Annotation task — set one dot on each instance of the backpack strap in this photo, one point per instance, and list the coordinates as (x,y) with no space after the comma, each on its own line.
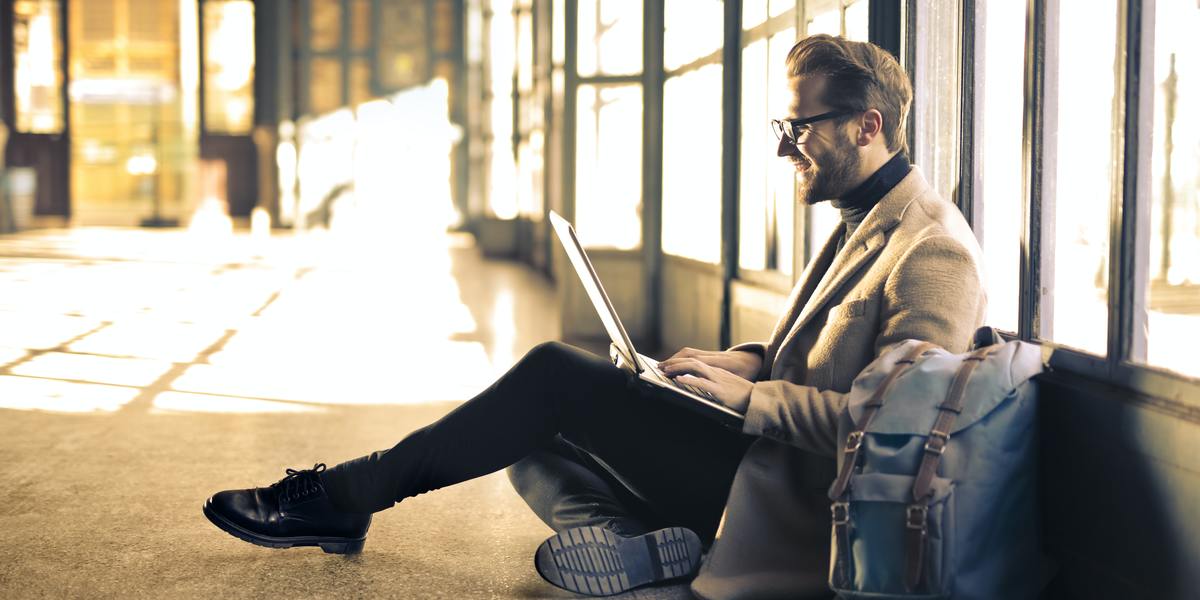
(916,523)
(840,508)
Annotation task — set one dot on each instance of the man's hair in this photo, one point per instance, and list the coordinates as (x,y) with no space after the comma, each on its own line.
(859,76)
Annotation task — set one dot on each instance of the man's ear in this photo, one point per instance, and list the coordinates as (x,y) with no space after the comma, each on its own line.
(870,127)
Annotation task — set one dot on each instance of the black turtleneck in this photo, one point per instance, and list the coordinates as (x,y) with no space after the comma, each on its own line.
(855,205)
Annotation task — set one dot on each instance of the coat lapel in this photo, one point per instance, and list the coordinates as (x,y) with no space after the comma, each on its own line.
(865,244)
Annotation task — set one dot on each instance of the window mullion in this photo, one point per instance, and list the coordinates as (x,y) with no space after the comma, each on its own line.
(1040,160)
(1129,249)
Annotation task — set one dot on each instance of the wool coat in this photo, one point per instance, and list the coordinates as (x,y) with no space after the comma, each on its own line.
(910,271)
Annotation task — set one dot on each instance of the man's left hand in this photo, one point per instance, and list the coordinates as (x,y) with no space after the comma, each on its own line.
(729,389)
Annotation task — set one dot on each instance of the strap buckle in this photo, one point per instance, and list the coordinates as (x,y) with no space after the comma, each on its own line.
(917,516)
(854,441)
(841,513)
(936,444)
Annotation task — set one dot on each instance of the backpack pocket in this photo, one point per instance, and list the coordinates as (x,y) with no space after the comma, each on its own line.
(869,558)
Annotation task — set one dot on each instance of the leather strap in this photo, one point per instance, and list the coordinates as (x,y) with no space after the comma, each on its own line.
(916,517)
(855,438)
(840,507)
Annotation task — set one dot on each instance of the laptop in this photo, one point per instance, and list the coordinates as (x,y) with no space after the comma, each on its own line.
(623,353)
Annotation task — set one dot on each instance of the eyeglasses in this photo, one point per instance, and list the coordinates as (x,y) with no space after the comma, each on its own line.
(795,130)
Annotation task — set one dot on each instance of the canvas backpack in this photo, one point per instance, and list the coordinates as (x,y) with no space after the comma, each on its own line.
(936,489)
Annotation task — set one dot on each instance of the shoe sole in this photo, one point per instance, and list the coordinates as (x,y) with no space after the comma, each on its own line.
(331,545)
(597,562)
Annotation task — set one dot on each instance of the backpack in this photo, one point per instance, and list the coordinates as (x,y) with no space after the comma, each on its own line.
(936,489)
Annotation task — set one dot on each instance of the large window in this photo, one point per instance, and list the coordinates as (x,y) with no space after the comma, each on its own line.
(1000,64)
(228,66)
(608,126)
(37,69)
(767,199)
(692,118)
(767,194)
(1173,287)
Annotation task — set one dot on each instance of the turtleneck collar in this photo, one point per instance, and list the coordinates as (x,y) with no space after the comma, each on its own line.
(855,205)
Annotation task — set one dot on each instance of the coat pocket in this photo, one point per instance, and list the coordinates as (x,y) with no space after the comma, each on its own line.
(868,562)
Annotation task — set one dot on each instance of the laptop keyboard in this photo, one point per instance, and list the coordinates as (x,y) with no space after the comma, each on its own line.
(683,386)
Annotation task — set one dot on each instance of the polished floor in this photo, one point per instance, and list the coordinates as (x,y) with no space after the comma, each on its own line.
(141,371)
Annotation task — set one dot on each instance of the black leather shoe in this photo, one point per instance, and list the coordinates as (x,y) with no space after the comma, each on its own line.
(597,562)
(294,511)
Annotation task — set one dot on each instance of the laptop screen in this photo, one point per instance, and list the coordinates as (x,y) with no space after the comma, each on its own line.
(595,291)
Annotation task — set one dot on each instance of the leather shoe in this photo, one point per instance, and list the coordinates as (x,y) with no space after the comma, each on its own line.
(597,562)
(294,511)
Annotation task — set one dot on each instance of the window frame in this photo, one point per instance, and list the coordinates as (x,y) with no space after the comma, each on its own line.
(1123,364)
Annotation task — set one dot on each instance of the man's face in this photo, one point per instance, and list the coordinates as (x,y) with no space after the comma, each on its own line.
(826,161)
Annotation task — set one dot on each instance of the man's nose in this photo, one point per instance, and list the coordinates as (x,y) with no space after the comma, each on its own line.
(786,147)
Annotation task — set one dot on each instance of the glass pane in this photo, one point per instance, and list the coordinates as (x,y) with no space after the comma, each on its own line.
(694,29)
(778,7)
(228,66)
(754,12)
(1174,287)
(857,25)
(502,197)
(823,17)
(1000,194)
(325,23)
(558,33)
(781,175)
(758,150)
(1086,95)
(692,165)
(37,50)
(610,37)
(608,166)
(360,81)
(402,48)
(324,85)
(360,24)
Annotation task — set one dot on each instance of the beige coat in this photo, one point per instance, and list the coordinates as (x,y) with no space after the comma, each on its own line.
(911,270)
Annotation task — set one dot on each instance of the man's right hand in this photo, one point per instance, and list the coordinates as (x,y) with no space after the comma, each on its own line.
(739,362)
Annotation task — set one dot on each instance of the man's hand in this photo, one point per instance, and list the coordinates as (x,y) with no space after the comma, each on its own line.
(739,362)
(729,389)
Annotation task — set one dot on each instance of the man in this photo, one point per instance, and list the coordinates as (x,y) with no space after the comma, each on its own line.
(634,486)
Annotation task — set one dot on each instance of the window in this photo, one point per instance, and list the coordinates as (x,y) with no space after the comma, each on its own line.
(767,195)
(502,195)
(37,71)
(1173,290)
(608,124)
(228,66)
(610,37)
(999,97)
(692,118)
(1078,201)
(692,165)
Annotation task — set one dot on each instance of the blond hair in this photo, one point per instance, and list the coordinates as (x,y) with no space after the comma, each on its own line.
(859,76)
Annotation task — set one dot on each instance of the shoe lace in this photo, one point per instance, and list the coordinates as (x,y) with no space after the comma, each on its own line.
(298,484)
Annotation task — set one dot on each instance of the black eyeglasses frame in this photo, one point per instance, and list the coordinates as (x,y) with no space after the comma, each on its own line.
(789,127)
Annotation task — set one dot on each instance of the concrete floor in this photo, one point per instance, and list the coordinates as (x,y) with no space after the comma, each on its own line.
(141,371)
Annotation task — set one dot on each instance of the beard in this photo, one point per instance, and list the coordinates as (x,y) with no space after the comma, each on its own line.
(828,177)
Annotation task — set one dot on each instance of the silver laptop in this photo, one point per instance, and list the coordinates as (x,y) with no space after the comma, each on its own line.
(645,367)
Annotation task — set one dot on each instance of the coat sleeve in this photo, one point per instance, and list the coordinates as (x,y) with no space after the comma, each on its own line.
(935,293)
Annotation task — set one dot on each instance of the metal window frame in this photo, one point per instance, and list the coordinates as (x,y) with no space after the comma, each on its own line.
(1130,203)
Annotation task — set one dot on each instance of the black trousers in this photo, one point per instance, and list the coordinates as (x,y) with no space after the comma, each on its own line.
(585,444)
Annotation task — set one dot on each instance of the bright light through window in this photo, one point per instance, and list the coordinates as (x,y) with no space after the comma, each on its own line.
(999,170)
(692,165)
(1174,286)
(610,37)
(608,167)
(503,171)
(1083,186)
